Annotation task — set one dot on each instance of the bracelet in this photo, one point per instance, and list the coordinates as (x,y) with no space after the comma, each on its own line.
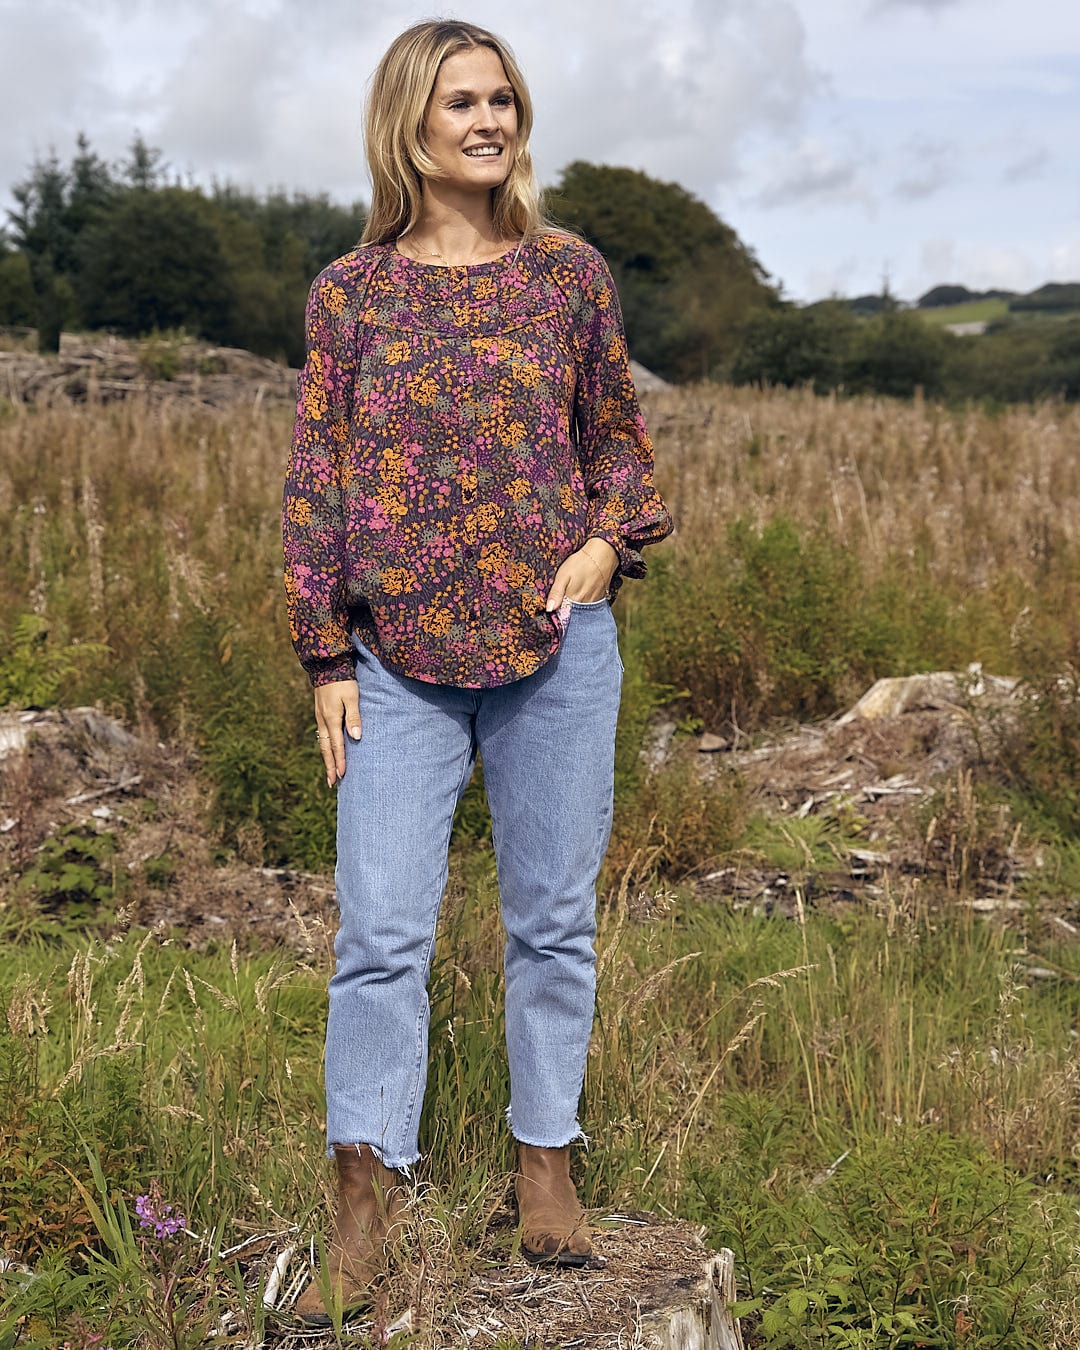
(604,579)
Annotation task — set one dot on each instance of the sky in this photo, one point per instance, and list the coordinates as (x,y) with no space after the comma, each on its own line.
(850,143)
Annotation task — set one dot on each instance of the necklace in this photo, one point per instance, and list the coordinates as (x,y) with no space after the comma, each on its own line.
(434,253)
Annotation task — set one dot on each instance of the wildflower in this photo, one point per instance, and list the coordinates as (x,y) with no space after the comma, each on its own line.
(165,1220)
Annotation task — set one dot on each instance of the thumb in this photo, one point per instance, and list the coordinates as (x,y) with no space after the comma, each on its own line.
(352,715)
(557,593)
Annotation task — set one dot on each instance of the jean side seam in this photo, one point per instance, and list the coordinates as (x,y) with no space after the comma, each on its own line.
(421,1050)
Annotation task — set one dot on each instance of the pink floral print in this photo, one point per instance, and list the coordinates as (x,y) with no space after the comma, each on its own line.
(459,431)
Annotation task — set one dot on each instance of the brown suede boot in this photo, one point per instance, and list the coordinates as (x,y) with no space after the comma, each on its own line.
(554,1229)
(370,1209)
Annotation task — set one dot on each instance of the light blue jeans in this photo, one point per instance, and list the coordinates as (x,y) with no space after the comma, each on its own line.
(548,748)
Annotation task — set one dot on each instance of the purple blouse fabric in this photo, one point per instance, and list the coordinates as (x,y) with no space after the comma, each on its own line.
(459,432)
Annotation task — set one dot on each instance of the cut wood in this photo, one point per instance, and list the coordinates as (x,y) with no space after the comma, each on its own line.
(935,689)
(704,1320)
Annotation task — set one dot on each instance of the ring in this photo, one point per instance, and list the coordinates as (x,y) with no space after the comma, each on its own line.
(322,735)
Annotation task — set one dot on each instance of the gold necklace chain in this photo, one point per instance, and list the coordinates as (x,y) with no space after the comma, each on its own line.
(434,253)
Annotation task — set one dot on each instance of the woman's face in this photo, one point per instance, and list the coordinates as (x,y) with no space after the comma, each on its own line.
(471,126)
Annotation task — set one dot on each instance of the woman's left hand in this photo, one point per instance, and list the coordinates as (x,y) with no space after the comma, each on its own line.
(585,575)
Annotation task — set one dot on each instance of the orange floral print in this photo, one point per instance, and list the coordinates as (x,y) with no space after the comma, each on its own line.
(459,432)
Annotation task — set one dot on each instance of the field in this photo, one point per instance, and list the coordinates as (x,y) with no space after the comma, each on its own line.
(837,1029)
(975,311)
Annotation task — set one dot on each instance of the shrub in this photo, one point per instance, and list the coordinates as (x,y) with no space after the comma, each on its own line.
(34,669)
(73,876)
(770,624)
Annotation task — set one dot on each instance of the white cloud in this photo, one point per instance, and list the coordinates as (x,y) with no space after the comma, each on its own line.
(1064,261)
(51,81)
(798,116)
(673,88)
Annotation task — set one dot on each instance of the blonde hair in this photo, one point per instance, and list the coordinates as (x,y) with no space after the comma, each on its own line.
(397,105)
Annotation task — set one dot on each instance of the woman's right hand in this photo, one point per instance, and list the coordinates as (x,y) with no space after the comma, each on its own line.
(337,709)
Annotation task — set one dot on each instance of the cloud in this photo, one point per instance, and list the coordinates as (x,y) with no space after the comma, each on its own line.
(932,166)
(220,97)
(675,89)
(267,92)
(813,175)
(51,81)
(981,265)
(1027,165)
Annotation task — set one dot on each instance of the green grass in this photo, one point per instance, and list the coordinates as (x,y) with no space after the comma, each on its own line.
(736,1059)
(975,311)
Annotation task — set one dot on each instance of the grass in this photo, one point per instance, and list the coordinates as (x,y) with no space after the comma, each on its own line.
(736,1060)
(875,1107)
(974,311)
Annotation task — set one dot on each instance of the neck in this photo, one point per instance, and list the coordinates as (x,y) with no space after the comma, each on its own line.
(454,225)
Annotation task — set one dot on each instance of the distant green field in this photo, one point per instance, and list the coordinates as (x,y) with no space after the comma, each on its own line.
(975,311)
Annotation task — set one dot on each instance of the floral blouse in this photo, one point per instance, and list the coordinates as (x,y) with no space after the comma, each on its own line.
(459,432)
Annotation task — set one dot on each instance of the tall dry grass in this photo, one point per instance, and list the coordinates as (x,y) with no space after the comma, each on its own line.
(820,543)
(970,494)
(127,499)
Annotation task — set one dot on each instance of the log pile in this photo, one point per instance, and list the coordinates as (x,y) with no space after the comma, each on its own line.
(98,368)
(93,368)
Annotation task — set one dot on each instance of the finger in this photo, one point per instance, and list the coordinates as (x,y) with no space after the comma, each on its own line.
(326,750)
(337,746)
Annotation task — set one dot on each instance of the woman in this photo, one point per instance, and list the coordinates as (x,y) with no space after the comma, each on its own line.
(470,480)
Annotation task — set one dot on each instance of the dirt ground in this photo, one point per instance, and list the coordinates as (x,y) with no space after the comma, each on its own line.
(78,769)
(894,782)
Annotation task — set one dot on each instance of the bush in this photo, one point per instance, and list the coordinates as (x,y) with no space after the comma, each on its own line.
(1039,754)
(771,624)
(919,1238)
(34,669)
(74,877)
(898,354)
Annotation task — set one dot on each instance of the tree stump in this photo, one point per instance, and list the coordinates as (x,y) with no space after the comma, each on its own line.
(651,1283)
(704,1321)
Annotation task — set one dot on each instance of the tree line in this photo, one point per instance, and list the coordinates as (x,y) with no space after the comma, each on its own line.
(95,246)
(125,248)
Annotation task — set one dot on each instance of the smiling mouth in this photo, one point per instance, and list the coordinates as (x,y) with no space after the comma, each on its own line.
(483,152)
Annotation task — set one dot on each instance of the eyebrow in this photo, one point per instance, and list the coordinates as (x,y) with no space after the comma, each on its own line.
(470,93)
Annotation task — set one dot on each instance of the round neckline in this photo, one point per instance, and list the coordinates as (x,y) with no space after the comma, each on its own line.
(454,267)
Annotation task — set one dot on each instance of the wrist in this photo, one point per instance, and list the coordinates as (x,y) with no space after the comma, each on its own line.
(602,553)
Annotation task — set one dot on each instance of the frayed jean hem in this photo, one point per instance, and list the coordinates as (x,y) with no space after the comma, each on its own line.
(578,1137)
(404,1166)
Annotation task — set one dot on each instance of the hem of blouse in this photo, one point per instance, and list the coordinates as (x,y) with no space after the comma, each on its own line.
(398,669)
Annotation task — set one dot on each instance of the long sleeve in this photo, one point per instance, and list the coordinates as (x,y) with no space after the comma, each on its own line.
(313,528)
(614,446)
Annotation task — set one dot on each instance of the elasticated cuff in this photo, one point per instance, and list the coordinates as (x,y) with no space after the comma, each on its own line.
(328,670)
